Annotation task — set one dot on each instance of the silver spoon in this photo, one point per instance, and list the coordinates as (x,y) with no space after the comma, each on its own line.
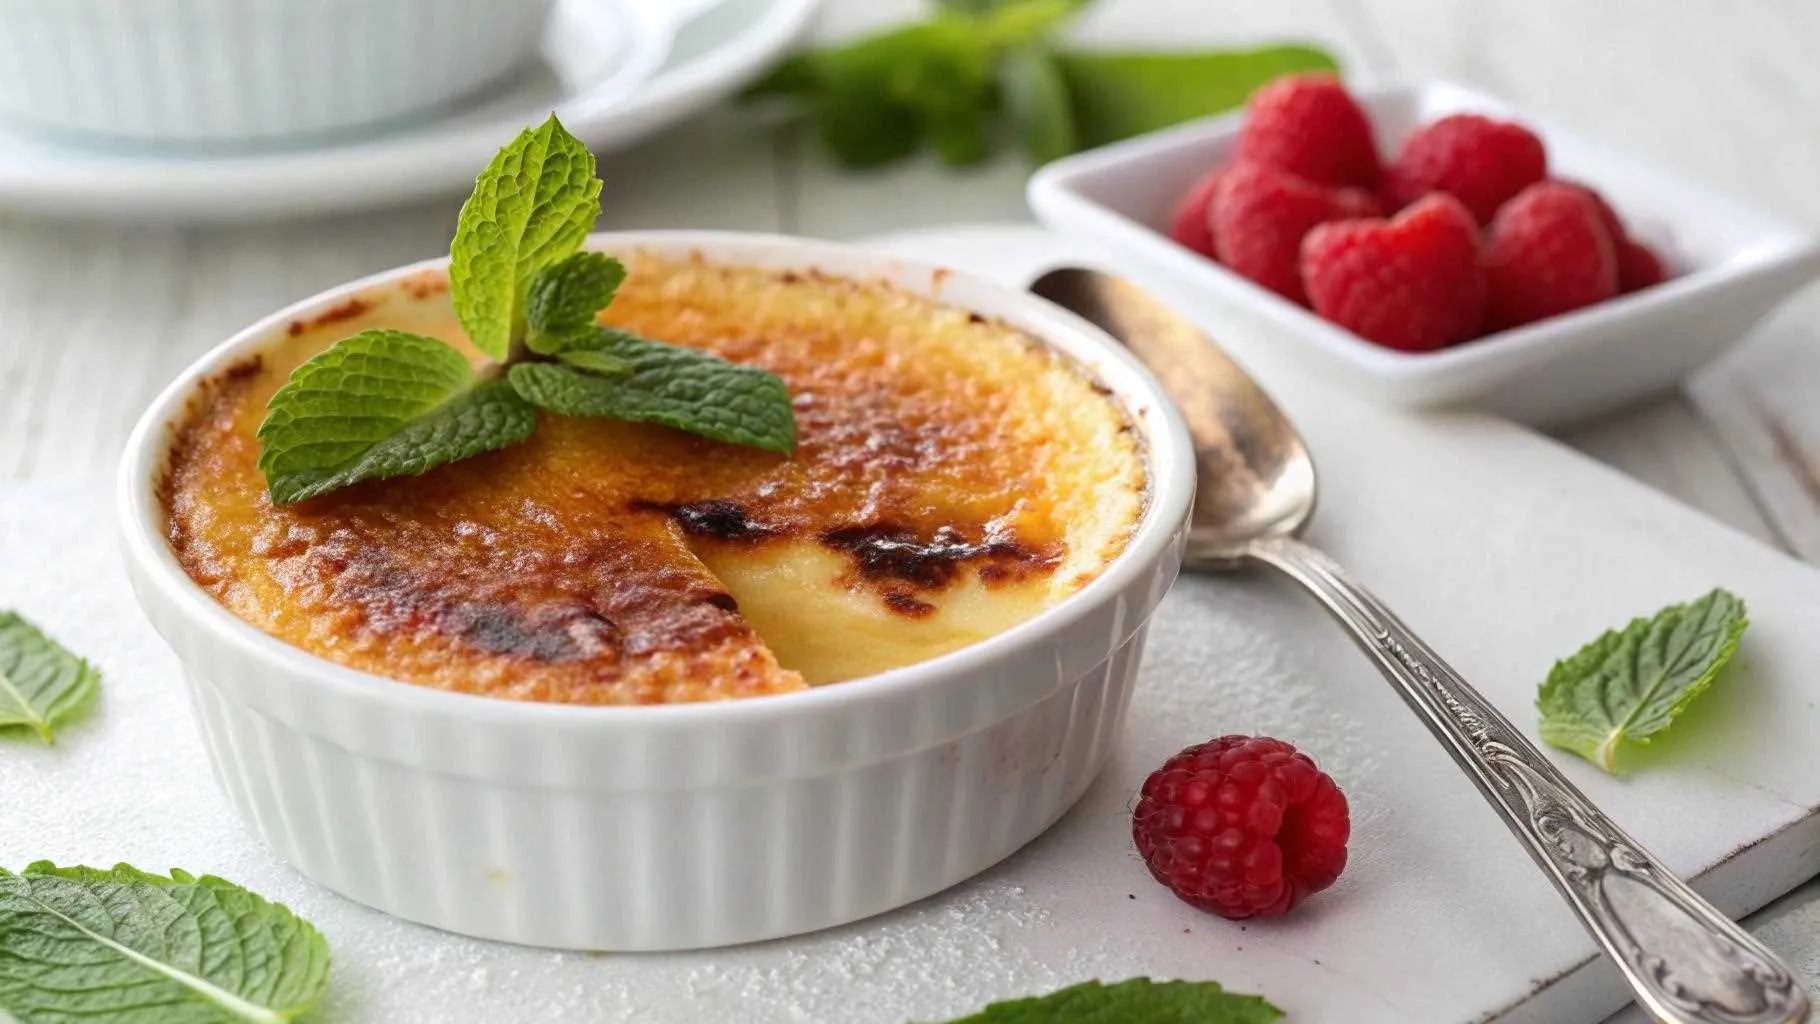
(1686,962)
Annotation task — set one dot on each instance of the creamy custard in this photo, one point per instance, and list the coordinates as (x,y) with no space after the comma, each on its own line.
(953,478)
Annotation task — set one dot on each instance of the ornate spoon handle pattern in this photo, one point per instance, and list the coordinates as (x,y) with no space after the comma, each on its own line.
(1686,962)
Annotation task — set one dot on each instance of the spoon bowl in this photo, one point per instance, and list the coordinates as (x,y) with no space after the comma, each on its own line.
(1254,476)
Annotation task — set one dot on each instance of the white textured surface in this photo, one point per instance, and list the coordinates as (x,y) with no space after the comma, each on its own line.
(1504,549)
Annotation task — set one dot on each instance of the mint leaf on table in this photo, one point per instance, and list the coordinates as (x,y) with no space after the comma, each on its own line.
(1015,22)
(1630,684)
(1118,95)
(382,404)
(1137,1001)
(950,80)
(862,126)
(128,947)
(1035,97)
(532,206)
(565,296)
(668,384)
(41,683)
(879,98)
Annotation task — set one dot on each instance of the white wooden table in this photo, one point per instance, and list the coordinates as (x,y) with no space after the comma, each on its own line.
(94,319)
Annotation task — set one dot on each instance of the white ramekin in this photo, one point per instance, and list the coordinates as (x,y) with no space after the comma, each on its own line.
(238,72)
(678,826)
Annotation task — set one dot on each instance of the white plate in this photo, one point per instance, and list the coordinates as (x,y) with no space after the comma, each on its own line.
(614,71)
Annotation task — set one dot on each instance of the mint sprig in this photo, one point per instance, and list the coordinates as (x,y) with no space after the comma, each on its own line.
(1631,684)
(1139,999)
(387,403)
(131,947)
(951,81)
(41,683)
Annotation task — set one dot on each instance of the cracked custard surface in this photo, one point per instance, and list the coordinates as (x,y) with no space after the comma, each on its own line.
(953,477)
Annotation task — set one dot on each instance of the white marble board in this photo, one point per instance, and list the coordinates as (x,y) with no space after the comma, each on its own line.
(1504,549)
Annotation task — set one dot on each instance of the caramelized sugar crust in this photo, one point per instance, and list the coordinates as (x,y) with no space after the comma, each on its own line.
(951,471)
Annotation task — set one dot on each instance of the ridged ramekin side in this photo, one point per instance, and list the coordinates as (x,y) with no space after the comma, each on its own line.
(221,72)
(591,866)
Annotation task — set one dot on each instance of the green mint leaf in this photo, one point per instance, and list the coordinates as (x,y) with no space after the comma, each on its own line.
(863,129)
(565,296)
(1118,95)
(128,947)
(382,404)
(962,136)
(532,206)
(595,361)
(878,98)
(1018,22)
(1035,98)
(1631,684)
(668,384)
(1128,1002)
(41,683)
(796,76)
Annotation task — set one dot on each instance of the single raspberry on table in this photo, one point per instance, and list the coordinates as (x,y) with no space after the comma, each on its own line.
(1412,282)
(1638,265)
(1242,826)
(1310,126)
(1548,252)
(1191,222)
(1261,214)
(1480,161)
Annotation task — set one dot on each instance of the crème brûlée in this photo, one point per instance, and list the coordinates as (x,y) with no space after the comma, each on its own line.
(953,477)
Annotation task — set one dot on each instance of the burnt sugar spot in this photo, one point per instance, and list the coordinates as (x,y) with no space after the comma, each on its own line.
(347,309)
(501,629)
(904,604)
(889,552)
(403,600)
(726,520)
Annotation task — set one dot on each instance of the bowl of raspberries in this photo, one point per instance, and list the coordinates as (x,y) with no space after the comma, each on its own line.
(1430,246)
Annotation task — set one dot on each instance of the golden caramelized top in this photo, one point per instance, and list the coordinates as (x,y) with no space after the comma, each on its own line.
(953,477)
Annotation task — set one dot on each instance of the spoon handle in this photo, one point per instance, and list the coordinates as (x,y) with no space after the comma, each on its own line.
(1686,962)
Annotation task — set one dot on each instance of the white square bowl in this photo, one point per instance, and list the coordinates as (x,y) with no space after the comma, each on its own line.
(1732,263)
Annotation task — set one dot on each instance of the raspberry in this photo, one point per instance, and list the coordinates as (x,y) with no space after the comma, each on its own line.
(1242,826)
(1607,216)
(1411,283)
(1310,126)
(1480,161)
(1191,223)
(1548,252)
(1260,215)
(1638,265)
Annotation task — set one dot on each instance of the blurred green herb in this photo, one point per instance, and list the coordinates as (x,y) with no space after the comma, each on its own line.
(977,68)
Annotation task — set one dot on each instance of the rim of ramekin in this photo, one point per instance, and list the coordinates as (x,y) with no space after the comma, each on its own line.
(1167,452)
